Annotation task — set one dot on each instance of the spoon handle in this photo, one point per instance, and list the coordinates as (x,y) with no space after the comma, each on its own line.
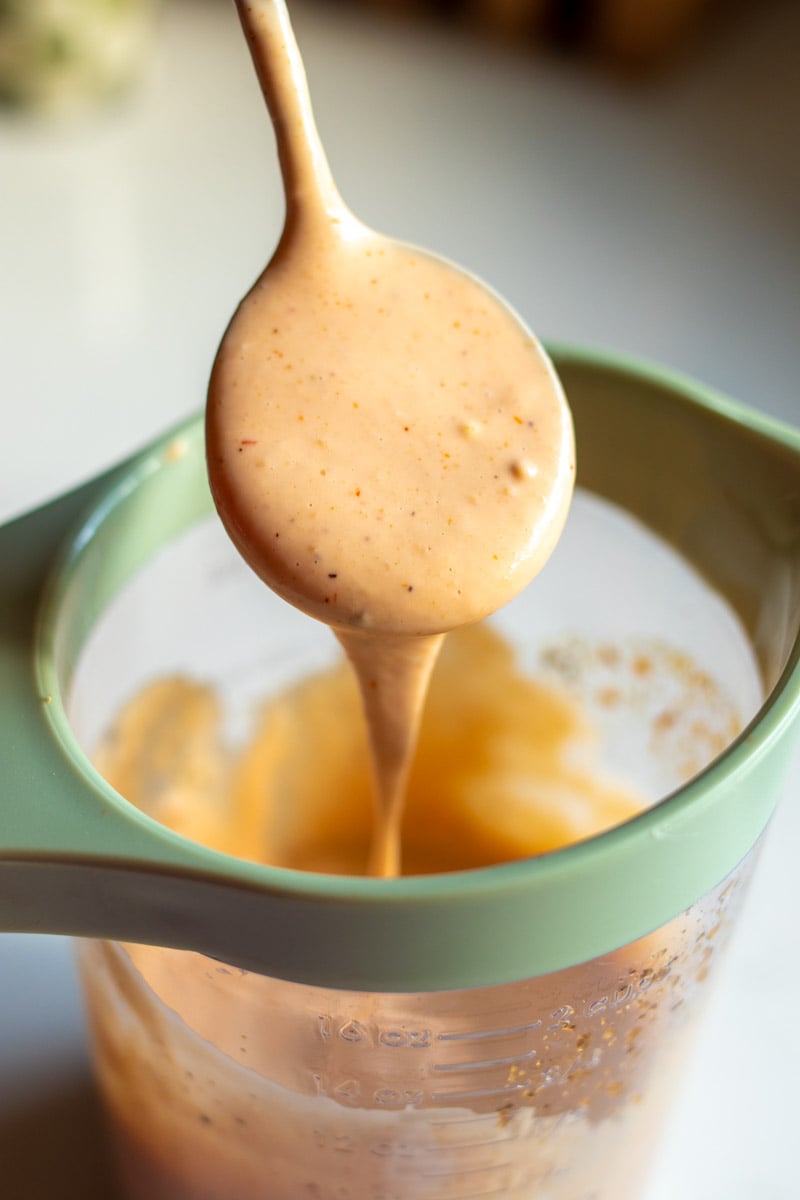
(307,178)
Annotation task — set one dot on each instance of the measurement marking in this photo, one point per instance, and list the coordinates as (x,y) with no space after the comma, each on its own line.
(467,1171)
(502,1191)
(487,1033)
(486,1118)
(503,1141)
(498,1091)
(485,1063)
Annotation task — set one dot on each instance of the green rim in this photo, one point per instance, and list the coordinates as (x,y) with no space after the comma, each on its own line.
(464,928)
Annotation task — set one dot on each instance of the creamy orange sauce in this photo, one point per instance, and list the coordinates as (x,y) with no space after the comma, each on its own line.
(506,766)
(388,446)
(236,1086)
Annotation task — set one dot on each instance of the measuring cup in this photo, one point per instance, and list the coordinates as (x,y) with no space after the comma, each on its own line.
(513,1030)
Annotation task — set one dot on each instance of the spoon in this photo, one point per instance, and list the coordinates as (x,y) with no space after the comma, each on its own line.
(388,445)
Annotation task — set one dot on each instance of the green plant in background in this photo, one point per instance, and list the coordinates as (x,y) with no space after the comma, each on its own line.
(60,55)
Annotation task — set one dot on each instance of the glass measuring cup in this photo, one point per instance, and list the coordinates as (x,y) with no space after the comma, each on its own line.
(555,941)
(223,1085)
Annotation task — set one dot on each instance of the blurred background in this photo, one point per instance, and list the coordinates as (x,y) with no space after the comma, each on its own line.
(625,172)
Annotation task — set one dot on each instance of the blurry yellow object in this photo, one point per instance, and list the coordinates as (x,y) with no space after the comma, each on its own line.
(58,55)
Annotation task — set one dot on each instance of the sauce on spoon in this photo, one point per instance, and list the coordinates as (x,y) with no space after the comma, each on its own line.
(388,445)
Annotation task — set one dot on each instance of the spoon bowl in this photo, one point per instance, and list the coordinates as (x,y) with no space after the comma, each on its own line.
(388,445)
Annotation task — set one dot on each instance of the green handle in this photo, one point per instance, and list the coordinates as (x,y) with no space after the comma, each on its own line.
(63,833)
(75,858)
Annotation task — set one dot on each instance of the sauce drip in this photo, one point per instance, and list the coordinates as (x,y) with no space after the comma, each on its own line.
(388,446)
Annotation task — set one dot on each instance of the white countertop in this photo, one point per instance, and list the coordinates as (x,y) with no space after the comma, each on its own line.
(658,219)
